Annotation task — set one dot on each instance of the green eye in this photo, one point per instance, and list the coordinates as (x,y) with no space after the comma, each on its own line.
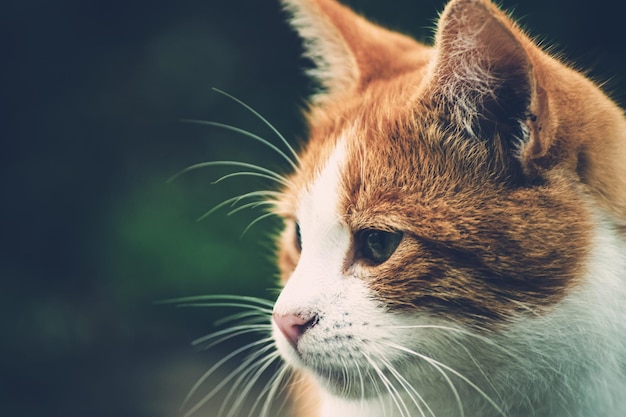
(376,246)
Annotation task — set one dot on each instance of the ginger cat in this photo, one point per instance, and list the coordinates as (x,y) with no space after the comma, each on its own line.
(455,230)
(455,238)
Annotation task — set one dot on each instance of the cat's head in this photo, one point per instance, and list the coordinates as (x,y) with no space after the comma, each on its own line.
(446,187)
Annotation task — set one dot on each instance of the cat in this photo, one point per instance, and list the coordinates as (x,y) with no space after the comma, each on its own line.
(455,229)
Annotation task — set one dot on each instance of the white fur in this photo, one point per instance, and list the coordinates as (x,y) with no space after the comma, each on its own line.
(325,241)
(584,338)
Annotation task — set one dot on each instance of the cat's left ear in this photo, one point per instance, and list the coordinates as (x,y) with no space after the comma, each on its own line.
(348,51)
(486,76)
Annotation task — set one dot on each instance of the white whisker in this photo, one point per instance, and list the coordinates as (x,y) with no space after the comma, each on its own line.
(438,367)
(278,387)
(391,389)
(250,316)
(269,391)
(255,221)
(229,334)
(234,200)
(245,372)
(242,174)
(461,331)
(379,392)
(262,366)
(257,312)
(226,380)
(245,133)
(479,367)
(215,305)
(441,366)
(275,176)
(254,204)
(345,376)
(280,136)
(409,390)
(223,297)
(361,382)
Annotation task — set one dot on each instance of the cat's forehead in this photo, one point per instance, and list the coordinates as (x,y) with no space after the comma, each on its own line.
(377,122)
(401,146)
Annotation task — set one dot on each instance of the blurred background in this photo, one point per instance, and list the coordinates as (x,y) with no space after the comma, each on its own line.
(93,93)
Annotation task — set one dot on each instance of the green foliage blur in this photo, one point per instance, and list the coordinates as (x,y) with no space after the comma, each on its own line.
(93,234)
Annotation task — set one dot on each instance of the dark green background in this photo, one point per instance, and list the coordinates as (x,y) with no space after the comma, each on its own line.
(92,94)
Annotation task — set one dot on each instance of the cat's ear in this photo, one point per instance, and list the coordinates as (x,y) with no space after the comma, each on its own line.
(484,75)
(348,51)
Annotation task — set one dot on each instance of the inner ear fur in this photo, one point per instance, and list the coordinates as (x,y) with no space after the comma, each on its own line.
(484,76)
(348,51)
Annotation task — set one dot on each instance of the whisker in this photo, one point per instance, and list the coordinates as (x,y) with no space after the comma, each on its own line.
(225,304)
(226,380)
(234,200)
(464,332)
(391,389)
(345,376)
(276,384)
(244,377)
(220,297)
(409,389)
(361,382)
(254,204)
(230,333)
(216,302)
(275,176)
(479,367)
(379,392)
(242,173)
(268,124)
(255,221)
(245,133)
(438,365)
(269,390)
(252,317)
(263,365)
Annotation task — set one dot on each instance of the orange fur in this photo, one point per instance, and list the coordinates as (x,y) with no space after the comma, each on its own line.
(413,167)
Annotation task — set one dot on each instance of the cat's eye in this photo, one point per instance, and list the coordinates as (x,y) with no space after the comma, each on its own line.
(376,246)
(298,238)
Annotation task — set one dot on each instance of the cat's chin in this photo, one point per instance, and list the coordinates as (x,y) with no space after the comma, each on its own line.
(349,381)
(348,385)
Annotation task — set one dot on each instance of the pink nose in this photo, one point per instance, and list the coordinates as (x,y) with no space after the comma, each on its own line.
(293,326)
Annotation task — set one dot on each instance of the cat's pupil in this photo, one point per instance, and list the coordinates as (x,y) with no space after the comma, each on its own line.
(376,246)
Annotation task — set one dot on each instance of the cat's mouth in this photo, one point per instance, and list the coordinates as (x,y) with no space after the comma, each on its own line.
(352,384)
(348,377)
(344,363)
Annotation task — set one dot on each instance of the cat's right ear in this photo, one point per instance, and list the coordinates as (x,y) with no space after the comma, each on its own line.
(348,52)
